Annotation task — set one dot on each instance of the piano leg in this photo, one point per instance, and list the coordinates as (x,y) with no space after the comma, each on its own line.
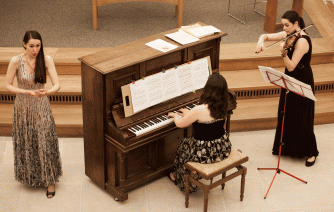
(119,192)
(119,196)
(121,168)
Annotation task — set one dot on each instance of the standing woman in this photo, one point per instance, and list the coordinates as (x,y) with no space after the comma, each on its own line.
(210,142)
(36,149)
(298,133)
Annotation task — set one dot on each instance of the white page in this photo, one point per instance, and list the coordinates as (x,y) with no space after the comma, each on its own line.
(170,84)
(161,45)
(182,37)
(309,94)
(200,70)
(293,87)
(273,74)
(204,31)
(185,79)
(139,95)
(155,89)
(263,71)
(279,83)
(301,84)
(303,88)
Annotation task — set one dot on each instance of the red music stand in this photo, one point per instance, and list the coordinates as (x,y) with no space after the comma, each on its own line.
(290,84)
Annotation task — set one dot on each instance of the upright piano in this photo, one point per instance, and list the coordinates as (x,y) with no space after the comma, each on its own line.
(116,158)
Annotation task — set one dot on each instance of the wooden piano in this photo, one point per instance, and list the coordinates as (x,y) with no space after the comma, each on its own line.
(115,158)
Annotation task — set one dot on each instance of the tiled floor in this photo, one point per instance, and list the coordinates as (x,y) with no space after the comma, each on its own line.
(77,193)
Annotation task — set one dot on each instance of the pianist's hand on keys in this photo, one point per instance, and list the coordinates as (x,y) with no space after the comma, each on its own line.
(158,122)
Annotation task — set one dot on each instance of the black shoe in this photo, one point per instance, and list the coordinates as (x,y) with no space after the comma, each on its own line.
(308,164)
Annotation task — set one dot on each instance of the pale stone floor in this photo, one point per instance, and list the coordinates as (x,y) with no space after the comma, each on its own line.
(77,193)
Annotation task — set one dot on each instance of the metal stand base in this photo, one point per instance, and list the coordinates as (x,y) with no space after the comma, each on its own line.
(278,170)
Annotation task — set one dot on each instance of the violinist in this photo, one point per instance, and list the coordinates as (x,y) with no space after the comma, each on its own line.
(298,137)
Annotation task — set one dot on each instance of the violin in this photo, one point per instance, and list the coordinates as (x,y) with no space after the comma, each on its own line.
(288,43)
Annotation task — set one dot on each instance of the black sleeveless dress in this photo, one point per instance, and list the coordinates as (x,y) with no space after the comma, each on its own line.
(209,144)
(298,133)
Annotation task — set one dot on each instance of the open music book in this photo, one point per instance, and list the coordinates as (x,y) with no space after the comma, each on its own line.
(280,79)
(165,85)
(200,31)
(189,34)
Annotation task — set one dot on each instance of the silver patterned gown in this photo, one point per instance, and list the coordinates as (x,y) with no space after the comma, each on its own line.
(36,149)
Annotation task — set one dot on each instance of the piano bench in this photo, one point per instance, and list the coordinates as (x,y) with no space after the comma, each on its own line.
(209,171)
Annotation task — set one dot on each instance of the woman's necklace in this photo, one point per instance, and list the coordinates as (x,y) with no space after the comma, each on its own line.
(29,64)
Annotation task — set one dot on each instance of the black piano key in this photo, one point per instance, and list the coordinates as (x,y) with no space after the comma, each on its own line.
(149,123)
(155,121)
(131,130)
(137,127)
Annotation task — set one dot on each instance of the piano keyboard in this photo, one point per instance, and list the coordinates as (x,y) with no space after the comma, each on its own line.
(155,123)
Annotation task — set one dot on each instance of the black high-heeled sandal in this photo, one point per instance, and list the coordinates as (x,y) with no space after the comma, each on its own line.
(48,193)
(308,164)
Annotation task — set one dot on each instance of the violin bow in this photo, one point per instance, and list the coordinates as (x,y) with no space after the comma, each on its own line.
(285,38)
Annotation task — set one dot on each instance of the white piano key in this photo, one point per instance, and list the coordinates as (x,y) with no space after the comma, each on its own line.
(155,123)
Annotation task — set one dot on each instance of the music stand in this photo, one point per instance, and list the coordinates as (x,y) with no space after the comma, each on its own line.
(290,84)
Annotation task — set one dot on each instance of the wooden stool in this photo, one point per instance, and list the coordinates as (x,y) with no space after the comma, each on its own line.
(209,171)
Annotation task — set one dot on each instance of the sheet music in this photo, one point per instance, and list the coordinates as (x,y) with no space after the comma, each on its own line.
(182,37)
(139,95)
(304,88)
(204,31)
(271,75)
(309,94)
(155,89)
(169,84)
(200,76)
(161,45)
(185,78)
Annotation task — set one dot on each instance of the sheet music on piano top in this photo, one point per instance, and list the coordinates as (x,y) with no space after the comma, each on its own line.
(182,37)
(166,85)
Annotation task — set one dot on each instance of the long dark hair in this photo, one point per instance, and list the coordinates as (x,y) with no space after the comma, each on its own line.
(293,16)
(215,95)
(40,70)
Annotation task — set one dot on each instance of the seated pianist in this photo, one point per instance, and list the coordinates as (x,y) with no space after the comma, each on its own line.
(210,142)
